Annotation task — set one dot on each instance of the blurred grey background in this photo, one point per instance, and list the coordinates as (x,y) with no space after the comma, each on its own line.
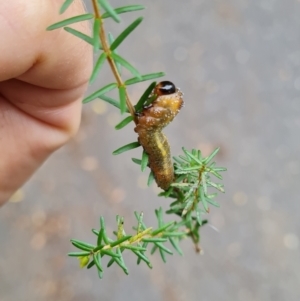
(238,64)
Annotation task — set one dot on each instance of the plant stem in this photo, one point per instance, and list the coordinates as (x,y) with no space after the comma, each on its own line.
(111,62)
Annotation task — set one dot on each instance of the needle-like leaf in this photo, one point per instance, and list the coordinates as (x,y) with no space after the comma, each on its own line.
(144,97)
(79,254)
(151,178)
(111,101)
(143,78)
(125,64)
(98,66)
(107,7)
(144,162)
(210,157)
(111,39)
(96,34)
(123,35)
(124,9)
(100,92)
(69,21)
(126,148)
(97,259)
(137,161)
(79,35)
(65,6)
(124,122)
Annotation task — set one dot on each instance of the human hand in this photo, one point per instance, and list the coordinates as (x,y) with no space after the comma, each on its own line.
(43,76)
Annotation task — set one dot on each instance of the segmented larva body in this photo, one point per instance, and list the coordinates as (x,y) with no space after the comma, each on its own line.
(151,121)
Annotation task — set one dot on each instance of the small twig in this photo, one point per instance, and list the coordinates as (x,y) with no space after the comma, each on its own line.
(111,62)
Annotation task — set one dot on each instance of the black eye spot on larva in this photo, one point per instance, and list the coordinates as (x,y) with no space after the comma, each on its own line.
(165,88)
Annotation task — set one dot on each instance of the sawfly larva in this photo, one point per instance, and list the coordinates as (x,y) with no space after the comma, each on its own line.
(151,120)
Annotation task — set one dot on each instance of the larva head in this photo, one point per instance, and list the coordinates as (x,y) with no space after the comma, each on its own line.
(169,98)
(166,105)
(164,88)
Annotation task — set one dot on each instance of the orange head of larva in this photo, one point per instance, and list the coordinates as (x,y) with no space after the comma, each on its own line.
(168,97)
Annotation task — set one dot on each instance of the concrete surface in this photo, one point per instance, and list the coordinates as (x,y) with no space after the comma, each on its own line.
(238,64)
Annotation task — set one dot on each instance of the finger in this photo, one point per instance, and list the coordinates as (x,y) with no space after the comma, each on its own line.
(35,55)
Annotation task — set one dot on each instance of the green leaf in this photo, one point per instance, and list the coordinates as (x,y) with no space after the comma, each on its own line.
(110,262)
(145,244)
(151,178)
(125,33)
(162,255)
(69,21)
(99,92)
(122,96)
(91,264)
(79,254)
(102,223)
(98,66)
(184,159)
(65,6)
(98,248)
(159,216)
(110,253)
(154,239)
(119,241)
(216,174)
(134,248)
(174,234)
(96,34)
(80,35)
(188,206)
(125,64)
(203,182)
(203,199)
(105,238)
(120,262)
(139,217)
(175,245)
(124,9)
(210,201)
(190,168)
(111,101)
(143,78)
(143,257)
(153,249)
(210,157)
(162,247)
(109,10)
(82,245)
(97,259)
(126,147)
(124,122)
(220,169)
(145,160)
(198,215)
(161,229)
(211,196)
(144,97)
(100,237)
(217,186)
(116,258)
(111,40)
(100,274)
(137,161)
(190,155)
